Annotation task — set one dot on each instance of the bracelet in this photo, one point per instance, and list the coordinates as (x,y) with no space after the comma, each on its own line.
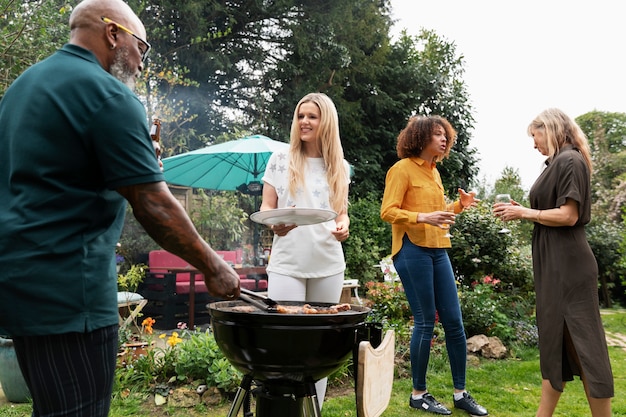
(538,218)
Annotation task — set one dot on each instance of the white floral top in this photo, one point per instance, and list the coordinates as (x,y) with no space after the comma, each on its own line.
(306,251)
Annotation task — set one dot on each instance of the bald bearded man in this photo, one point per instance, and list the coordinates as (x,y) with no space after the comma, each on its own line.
(75,147)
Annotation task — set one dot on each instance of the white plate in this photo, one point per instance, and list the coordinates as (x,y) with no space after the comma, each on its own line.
(293,215)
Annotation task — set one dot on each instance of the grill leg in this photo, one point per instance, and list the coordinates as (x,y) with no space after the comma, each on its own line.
(311,405)
(240,396)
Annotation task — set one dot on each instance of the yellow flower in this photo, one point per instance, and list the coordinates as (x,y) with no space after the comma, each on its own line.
(173,340)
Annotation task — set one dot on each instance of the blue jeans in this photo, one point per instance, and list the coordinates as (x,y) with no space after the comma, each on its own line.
(430,287)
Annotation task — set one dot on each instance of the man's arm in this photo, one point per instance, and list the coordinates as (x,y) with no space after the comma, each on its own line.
(165,220)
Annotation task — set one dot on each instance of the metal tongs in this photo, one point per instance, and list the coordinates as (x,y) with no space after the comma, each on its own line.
(251,297)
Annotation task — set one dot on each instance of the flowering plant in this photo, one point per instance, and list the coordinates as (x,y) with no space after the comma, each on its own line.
(389,306)
(483,306)
(174,338)
(389,271)
(146,325)
(487,280)
(118,256)
(134,346)
(177,358)
(127,336)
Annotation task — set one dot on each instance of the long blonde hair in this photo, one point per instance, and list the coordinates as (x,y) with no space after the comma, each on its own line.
(559,130)
(329,144)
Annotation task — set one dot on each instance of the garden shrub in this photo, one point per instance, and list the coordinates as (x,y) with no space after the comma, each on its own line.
(389,307)
(191,356)
(479,250)
(490,310)
(494,274)
(199,358)
(219,218)
(607,242)
(369,241)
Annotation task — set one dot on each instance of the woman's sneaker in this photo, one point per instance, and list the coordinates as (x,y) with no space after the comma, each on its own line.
(429,404)
(470,405)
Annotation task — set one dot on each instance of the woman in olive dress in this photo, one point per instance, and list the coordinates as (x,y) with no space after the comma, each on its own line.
(571,335)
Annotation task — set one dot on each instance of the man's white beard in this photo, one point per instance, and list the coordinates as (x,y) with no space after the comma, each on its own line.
(120,69)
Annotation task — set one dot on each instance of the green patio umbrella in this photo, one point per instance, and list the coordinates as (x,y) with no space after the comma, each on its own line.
(236,165)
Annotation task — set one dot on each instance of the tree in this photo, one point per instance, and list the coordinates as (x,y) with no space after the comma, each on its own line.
(349,64)
(227,47)
(441,91)
(510,183)
(606,133)
(253,61)
(381,87)
(606,232)
(218,219)
(218,67)
(29,32)
(157,91)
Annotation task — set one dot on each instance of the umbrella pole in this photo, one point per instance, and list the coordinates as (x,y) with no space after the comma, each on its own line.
(255,235)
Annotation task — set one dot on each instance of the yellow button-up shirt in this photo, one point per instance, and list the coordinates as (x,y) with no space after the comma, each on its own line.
(414,186)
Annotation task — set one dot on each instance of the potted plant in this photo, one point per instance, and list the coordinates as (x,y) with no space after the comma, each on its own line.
(132,278)
(11,378)
(134,345)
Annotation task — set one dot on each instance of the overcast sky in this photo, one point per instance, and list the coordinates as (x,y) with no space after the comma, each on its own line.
(522,57)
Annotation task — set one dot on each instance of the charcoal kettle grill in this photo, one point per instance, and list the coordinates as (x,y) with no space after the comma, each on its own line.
(285,354)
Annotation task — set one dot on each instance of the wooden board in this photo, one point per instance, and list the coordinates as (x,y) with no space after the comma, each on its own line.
(375,376)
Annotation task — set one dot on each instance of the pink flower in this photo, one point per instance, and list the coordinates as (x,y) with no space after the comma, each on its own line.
(490,280)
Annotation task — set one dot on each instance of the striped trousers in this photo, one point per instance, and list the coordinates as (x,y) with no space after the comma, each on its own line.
(71,374)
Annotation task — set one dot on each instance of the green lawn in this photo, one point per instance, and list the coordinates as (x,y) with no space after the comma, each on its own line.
(507,388)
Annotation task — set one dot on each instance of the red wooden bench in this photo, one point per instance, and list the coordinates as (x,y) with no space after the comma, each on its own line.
(169,294)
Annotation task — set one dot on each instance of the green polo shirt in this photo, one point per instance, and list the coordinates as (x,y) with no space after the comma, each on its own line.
(70,135)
